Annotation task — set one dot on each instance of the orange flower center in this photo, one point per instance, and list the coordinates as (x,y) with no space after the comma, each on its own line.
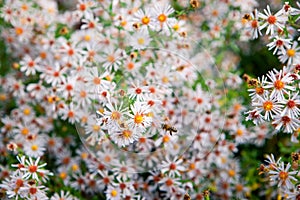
(19,30)
(239,132)
(291,104)
(239,187)
(271,19)
(32,168)
(24,131)
(142,140)
(115,115)
(130,65)
(172,166)
(259,90)
(145,20)
(254,24)
(166,139)
(283,175)
(71,114)
(97,80)
(83,94)
(162,18)
(169,182)
(231,173)
(279,84)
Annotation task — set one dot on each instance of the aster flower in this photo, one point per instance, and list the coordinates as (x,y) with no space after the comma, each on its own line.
(138,92)
(96,80)
(32,191)
(272,21)
(62,195)
(291,104)
(30,66)
(32,169)
(161,15)
(140,118)
(124,136)
(139,40)
(114,113)
(279,43)
(144,18)
(279,83)
(90,22)
(268,106)
(289,124)
(54,75)
(173,168)
(113,193)
(36,147)
(253,25)
(291,55)
(282,176)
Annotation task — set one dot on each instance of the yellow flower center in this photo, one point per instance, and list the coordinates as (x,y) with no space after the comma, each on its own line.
(141,41)
(87,37)
(126,133)
(291,52)
(63,175)
(123,23)
(268,105)
(34,147)
(138,118)
(26,111)
(84,155)
(96,127)
(3,97)
(165,79)
(176,27)
(114,193)
(75,167)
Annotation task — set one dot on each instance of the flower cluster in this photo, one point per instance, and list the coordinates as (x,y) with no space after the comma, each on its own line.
(127,74)
(276,95)
(283,176)
(27,180)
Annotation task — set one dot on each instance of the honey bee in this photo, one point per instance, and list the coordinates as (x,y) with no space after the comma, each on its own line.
(186,197)
(247,17)
(136,25)
(168,127)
